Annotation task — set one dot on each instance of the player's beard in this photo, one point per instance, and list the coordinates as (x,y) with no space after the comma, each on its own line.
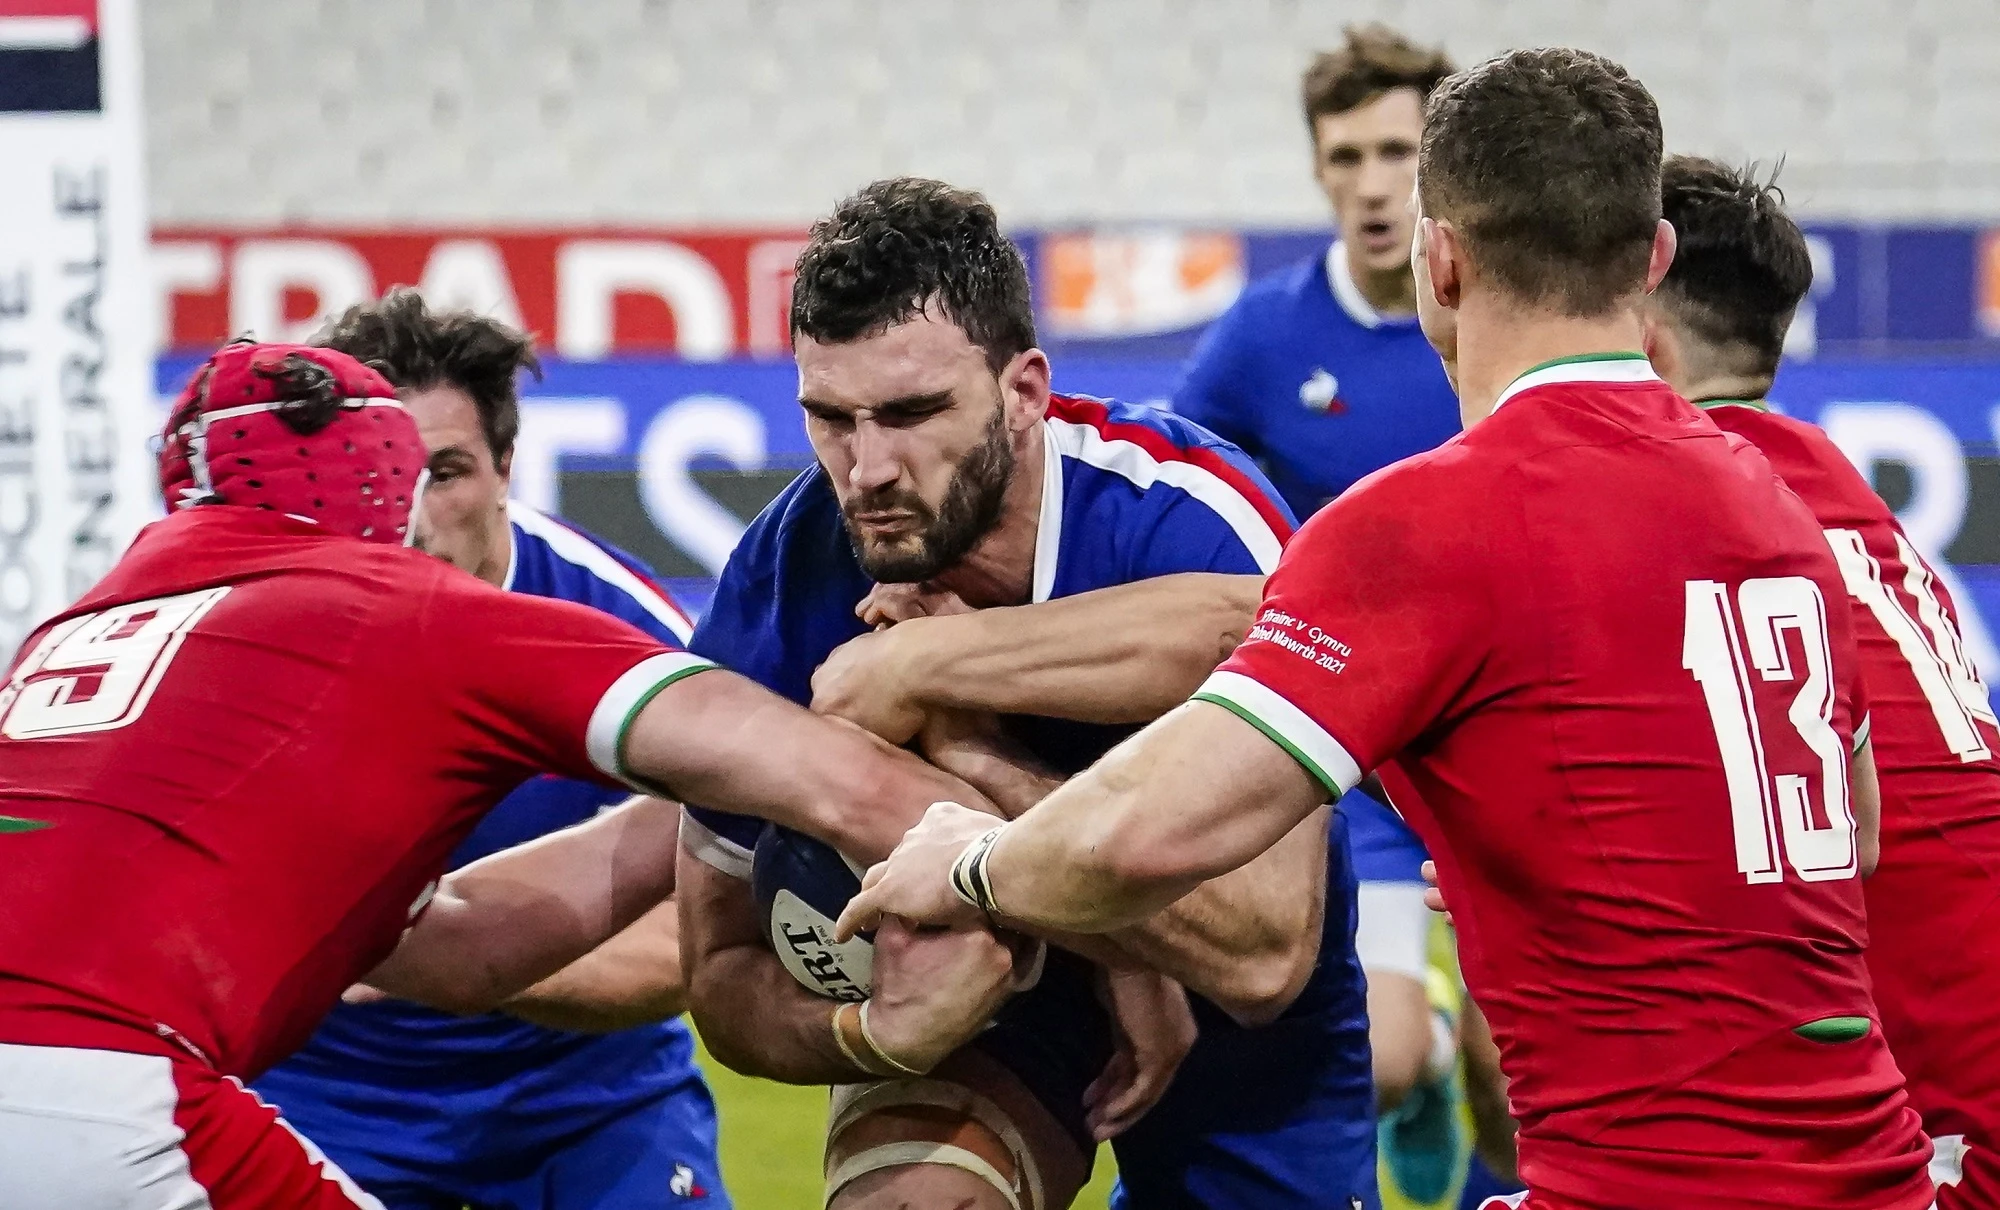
(971,507)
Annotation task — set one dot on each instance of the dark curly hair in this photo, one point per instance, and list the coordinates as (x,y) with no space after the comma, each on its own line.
(417,348)
(1742,265)
(905,244)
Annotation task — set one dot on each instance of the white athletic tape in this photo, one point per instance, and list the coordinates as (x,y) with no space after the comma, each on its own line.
(891,1155)
(852,1102)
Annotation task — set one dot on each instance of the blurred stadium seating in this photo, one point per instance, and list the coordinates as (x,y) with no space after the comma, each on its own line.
(764,111)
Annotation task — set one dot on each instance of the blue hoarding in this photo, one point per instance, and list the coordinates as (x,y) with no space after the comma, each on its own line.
(670,459)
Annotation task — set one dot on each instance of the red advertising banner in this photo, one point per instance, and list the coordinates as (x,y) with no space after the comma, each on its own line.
(587,294)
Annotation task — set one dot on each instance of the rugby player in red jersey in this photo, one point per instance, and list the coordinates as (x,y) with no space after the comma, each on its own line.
(231,775)
(1717,328)
(1592,635)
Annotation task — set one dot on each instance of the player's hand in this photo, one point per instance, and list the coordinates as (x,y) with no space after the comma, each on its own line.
(915,883)
(1433,895)
(935,989)
(1155,1029)
(868,682)
(888,604)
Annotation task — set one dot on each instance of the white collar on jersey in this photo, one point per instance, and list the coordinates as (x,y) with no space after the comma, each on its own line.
(513,550)
(1340,277)
(1587,367)
(1048,526)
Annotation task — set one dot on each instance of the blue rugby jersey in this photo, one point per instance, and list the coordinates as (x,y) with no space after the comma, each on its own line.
(1314,383)
(1274,1117)
(426,1090)
(1324,390)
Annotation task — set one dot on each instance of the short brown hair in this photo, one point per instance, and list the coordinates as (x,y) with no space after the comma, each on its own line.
(1373,60)
(1548,164)
(1741,265)
(417,348)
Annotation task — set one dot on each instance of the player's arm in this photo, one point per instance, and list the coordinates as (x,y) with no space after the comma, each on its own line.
(1192,797)
(510,920)
(1247,940)
(1376,620)
(1865,798)
(723,741)
(632,979)
(1126,654)
(932,993)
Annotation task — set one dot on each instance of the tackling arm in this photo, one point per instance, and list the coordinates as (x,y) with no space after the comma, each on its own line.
(1195,795)
(1247,940)
(507,921)
(721,740)
(631,980)
(1126,654)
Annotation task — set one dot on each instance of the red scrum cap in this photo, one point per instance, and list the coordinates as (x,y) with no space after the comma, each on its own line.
(308,432)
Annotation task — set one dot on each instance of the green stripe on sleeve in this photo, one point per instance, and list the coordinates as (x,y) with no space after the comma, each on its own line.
(1275,736)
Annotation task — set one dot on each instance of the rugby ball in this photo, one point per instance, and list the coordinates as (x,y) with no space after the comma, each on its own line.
(801,887)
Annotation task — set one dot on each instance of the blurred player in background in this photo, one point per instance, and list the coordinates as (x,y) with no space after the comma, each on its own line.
(428,1110)
(947,466)
(1654,854)
(1322,374)
(233,773)
(1717,330)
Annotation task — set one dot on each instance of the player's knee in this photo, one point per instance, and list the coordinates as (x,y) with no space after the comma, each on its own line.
(926,1143)
(919,1185)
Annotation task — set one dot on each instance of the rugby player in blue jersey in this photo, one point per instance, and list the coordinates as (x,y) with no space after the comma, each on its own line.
(1321,373)
(948,467)
(584,1094)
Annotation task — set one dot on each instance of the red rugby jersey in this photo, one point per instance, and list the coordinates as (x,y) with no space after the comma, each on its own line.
(1934,902)
(1605,647)
(230,775)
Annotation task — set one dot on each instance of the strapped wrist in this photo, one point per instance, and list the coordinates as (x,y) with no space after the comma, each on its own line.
(882,1062)
(850,1034)
(970,879)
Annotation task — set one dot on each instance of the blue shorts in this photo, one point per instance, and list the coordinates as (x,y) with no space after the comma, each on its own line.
(1056,1039)
(658,1154)
(1385,850)
(1278,1118)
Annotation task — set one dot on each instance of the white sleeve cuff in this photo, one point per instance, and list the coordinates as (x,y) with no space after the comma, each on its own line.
(605,737)
(713,848)
(1285,725)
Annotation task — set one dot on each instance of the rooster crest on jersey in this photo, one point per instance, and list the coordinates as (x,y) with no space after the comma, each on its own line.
(308,432)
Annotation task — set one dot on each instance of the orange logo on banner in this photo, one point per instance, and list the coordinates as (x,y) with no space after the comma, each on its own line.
(1989,282)
(1133,283)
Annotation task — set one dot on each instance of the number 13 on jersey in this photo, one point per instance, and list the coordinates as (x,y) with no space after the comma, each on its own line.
(1792,807)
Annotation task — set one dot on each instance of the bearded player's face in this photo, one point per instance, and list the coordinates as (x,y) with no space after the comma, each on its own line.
(914,431)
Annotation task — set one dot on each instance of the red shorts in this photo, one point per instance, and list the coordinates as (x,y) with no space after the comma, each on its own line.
(107,1130)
